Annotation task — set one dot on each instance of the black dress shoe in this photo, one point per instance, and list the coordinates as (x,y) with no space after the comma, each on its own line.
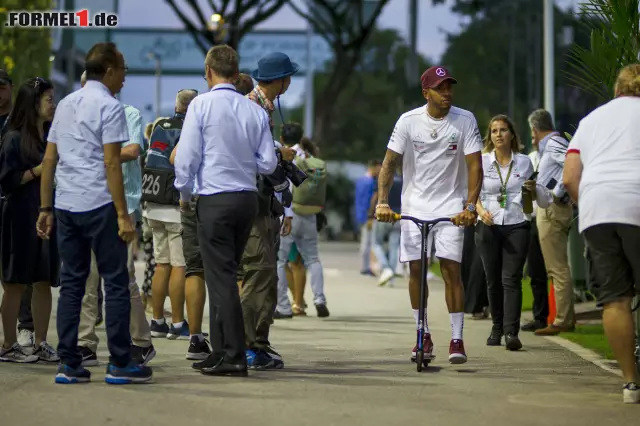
(211,361)
(495,338)
(512,342)
(533,326)
(225,368)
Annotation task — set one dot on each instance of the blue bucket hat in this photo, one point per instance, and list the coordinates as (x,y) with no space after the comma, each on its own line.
(274,66)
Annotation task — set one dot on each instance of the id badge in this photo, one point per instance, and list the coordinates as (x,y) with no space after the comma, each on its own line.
(502,199)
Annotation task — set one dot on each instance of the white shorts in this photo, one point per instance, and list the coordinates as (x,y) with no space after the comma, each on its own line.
(448,240)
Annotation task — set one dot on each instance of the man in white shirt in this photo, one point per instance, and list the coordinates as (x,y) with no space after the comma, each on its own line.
(225,142)
(83,151)
(602,174)
(554,222)
(439,146)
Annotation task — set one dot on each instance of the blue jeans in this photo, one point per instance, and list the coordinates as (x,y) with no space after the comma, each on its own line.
(305,235)
(390,231)
(78,235)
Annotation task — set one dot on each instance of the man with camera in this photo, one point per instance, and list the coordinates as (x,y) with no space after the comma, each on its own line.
(308,201)
(163,215)
(260,280)
(554,221)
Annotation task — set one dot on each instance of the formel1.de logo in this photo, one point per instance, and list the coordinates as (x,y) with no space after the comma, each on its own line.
(57,19)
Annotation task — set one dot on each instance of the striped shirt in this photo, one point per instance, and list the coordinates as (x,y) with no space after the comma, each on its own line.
(131,170)
(552,163)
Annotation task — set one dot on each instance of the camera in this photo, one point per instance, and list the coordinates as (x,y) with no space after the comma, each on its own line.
(285,171)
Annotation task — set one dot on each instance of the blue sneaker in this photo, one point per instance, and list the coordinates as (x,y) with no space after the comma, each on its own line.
(258,359)
(67,375)
(132,373)
(180,333)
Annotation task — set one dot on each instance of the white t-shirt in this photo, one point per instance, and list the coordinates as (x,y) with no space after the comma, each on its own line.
(434,170)
(607,141)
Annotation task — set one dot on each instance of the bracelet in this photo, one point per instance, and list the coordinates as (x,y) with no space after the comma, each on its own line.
(46,209)
(33,175)
(379,206)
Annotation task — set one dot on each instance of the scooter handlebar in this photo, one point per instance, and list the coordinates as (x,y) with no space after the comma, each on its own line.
(397,217)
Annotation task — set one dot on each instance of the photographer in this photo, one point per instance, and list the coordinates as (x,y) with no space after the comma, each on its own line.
(260,279)
(308,201)
(502,235)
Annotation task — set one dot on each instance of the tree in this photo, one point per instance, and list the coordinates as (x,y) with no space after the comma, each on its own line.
(503,33)
(239,19)
(346,28)
(614,26)
(365,112)
(24,53)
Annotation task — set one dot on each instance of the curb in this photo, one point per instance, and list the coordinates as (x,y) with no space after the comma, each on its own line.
(586,354)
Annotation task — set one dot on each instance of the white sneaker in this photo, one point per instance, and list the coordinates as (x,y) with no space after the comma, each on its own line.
(17,354)
(430,275)
(385,277)
(26,339)
(631,394)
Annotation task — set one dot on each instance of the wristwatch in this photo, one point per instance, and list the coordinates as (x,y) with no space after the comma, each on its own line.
(471,207)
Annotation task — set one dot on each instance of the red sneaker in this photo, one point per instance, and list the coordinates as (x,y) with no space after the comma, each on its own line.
(427,345)
(457,354)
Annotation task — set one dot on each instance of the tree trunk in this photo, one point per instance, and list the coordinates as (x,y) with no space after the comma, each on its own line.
(344,67)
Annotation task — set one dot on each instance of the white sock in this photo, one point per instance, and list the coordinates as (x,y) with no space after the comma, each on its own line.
(457,323)
(159,321)
(178,324)
(199,336)
(416,317)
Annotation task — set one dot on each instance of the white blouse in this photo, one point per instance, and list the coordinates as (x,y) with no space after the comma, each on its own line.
(521,171)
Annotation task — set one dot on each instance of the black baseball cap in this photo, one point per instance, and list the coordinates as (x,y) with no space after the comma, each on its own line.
(4,77)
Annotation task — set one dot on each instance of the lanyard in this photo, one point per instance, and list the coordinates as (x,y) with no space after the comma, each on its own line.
(504,182)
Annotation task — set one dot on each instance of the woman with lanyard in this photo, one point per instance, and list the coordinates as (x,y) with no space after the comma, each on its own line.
(502,235)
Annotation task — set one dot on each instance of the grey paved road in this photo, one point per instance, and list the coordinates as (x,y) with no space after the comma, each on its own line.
(350,369)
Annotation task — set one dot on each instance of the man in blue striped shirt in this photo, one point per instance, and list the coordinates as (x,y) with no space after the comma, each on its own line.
(225,142)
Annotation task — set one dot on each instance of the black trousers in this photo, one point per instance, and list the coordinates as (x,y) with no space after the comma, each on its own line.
(503,249)
(473,276)
(225,221)
(538,273)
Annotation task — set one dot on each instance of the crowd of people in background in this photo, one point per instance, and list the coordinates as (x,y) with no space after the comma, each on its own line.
(85,177)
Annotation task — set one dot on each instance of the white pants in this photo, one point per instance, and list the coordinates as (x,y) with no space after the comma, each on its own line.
(448,239)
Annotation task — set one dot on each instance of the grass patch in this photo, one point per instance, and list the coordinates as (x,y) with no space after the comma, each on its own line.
(591,336)
(527,294)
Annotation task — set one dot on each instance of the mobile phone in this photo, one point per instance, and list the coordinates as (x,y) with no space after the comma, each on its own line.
(533,176)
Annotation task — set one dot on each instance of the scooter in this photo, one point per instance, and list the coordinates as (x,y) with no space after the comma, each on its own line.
(425,227)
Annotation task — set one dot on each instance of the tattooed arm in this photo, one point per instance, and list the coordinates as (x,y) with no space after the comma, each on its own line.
(389,166)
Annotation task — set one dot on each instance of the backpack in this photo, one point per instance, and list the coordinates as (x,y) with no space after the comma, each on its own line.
(309,198)
(158,176)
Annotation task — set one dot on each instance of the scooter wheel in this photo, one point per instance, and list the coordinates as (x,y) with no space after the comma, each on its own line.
(419,360)
(426,363)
